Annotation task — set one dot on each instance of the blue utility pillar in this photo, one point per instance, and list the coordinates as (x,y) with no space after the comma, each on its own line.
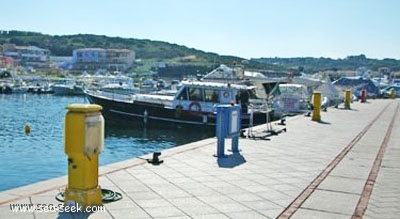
(228,126)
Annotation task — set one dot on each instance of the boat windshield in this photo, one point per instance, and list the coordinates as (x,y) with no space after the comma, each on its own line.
(195,94)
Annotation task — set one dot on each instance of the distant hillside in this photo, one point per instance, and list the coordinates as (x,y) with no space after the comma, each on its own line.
(181,58)
(144,49)
(309,64)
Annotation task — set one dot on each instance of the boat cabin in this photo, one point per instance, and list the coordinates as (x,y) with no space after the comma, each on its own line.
(201,96)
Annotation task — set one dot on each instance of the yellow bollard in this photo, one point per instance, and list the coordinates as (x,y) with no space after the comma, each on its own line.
(393,93)
(84,137)
(317,106)
(347,99)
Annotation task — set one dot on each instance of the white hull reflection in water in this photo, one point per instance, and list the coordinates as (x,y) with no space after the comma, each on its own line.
(40,155)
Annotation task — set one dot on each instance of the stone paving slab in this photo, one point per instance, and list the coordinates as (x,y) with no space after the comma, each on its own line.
(345,190)
(260,182)
(385,197)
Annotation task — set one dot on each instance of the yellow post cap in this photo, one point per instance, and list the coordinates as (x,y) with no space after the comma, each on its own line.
(84,108)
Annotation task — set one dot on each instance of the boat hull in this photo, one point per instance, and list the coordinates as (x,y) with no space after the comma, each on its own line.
(67,90)
(151,113)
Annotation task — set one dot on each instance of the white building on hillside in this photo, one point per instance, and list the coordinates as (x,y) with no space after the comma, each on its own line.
(28,56)
(98,58)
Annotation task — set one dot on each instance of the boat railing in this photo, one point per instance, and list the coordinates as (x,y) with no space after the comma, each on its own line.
(166,101)
(111,95)
(259,105)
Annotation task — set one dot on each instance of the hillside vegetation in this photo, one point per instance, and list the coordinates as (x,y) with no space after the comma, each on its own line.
(309,64)
(144,49)
(176,56)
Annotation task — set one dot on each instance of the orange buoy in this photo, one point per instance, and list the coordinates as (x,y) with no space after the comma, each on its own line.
(27,129)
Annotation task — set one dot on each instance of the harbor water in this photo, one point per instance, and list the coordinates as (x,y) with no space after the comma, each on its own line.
(27,159)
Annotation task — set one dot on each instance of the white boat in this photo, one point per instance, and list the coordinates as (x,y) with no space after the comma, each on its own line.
(19,87)
(14,84)
(291,99)
(119,85)
(67,87)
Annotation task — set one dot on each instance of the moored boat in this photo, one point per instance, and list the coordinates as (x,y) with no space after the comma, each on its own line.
(291,99)
(19,87)
(194,103)
(67,87)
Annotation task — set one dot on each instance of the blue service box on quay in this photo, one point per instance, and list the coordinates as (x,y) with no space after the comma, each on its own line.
(228,126)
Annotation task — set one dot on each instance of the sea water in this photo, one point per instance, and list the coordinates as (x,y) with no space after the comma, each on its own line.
(27,159)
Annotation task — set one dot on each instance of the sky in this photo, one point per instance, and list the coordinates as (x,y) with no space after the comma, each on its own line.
(244,28)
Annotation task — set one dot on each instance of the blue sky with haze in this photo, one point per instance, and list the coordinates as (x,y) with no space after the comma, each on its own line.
(248,29)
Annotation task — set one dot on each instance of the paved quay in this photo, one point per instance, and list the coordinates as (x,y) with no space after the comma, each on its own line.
(346,166)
